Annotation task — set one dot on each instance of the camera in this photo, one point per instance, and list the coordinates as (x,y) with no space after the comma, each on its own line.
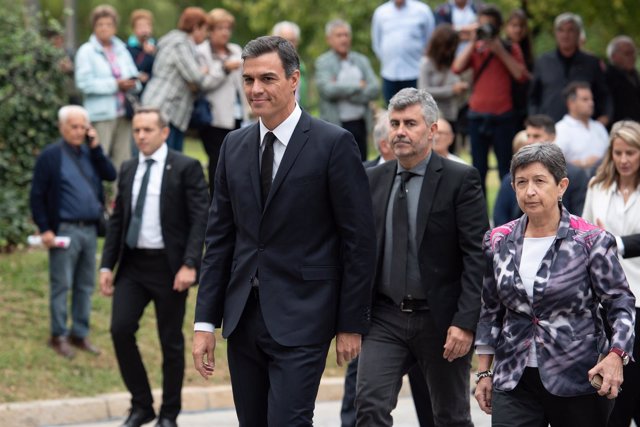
(486,32)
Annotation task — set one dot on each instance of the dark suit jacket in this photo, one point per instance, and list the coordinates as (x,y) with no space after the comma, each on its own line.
(184,201)
(371,163)
(44,197)
(625,93)
(452,219)
(313,245)
(631,244)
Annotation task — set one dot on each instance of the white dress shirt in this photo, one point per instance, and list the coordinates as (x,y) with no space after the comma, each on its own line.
(579,142)
(620,219)
(283,134)
(150,236)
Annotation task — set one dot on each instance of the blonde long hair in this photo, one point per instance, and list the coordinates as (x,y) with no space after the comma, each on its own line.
(607,174)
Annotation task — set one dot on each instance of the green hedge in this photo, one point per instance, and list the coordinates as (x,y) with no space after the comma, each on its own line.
(31,91)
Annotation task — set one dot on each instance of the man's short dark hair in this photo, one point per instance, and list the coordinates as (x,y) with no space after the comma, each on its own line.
(571,90)
(541,121)
(162,120)
(267,44)
(492,11)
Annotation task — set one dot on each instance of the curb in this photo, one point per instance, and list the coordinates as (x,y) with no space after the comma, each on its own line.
(116,405)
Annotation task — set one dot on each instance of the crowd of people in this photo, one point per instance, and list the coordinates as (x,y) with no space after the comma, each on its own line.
(307,239)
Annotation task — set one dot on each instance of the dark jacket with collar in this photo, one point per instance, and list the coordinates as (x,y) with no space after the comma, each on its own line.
(452,219)
(312,244)
(184,200)
(45,186)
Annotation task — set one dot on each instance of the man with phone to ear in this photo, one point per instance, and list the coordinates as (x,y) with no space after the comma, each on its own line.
(66,200)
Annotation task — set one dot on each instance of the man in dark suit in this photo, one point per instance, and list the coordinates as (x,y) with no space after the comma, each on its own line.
(155,237)
(288,249)
(430,217)
(419,389)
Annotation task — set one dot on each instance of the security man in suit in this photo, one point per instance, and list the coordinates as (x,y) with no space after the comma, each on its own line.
(155,237)
(430,218)
(288,250)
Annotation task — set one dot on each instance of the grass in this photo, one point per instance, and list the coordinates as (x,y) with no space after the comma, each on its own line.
(31,371)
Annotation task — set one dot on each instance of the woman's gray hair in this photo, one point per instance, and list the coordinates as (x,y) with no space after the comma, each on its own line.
(549,155)
(411,96)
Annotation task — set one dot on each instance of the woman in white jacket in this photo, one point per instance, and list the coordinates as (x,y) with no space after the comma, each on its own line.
(104,71)
(229,107)
(613,203)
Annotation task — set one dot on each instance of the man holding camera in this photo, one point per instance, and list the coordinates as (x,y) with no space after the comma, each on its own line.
(495,66)
(66,200)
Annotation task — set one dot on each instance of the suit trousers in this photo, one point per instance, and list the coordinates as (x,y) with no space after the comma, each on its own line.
(273,385)
(115,138)
(395,342)
(419,391)
(212,138)
(529,404)
(145,277)
(358,129)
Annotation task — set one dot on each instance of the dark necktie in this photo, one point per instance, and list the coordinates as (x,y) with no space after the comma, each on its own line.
(266,170)
(400,237)
(136,219)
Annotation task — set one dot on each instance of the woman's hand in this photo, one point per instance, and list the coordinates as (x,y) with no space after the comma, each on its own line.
(610,369)
(483,392)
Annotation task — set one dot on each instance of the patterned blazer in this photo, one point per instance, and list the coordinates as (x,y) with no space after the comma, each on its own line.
(176,76)
(579,271)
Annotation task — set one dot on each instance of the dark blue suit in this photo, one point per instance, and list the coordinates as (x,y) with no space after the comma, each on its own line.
(313,249)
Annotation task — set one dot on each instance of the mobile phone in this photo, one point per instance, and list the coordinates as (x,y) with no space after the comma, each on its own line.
(88,139)
(596,381)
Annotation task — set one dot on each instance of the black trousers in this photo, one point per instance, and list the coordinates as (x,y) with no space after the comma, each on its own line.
(531,405)
(212,138)
(145,277)
(358,129)
(419,391)
(273,385)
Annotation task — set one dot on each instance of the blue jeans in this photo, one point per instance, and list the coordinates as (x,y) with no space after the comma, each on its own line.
(490,130)
(175,141)
(72,269)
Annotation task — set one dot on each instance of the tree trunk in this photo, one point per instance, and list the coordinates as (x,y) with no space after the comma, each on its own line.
(70,25)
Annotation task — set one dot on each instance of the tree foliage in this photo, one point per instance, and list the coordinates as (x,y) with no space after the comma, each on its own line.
(31,90)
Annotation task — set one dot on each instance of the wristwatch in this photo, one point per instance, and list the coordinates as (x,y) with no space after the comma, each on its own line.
(623,355)
(189,262)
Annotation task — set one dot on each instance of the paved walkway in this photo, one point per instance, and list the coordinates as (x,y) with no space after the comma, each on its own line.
(327,414)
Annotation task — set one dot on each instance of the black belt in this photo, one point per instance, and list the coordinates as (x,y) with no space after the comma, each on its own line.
(81,223)
(407,305)
(147,252)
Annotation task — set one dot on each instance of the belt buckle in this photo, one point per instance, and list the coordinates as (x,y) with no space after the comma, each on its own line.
(405,309)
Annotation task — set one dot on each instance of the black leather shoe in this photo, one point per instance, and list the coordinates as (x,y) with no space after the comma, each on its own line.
(85,345)
(139,416)
(166,422)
